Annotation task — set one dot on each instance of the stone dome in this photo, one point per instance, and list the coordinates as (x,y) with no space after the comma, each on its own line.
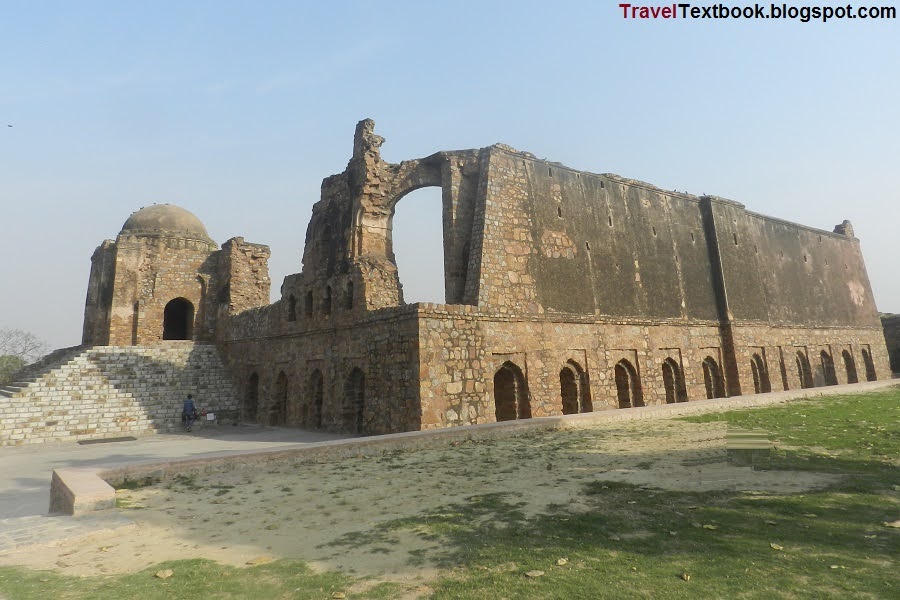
(165,220)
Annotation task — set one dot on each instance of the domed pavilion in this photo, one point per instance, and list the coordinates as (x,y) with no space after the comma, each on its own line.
(164,278)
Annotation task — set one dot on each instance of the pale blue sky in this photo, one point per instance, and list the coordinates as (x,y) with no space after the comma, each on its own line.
(237,110)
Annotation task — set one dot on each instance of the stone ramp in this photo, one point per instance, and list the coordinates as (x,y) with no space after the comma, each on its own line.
(110,391)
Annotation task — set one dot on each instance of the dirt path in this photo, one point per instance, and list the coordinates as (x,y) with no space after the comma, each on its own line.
(325,514)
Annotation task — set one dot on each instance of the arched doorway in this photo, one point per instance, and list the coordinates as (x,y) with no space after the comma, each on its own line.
(673,382)
(510,394)
(712,378)
(354,401)
(178,320)
(850,367)
(761,383)
(804,372)
(628,385)
(315,400)
(828,368)
(870,365)
(278,410)
(251,403)
(574,389)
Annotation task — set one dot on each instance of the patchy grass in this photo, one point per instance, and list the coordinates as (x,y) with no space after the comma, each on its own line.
(611,539)
(191,579)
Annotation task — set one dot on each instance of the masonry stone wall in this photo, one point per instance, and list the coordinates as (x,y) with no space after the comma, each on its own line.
(163,255)
(303,375)
(566,291)
(891,327)
(109,391)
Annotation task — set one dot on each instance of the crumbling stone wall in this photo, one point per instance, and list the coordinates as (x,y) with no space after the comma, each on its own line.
(565,291)
(134,279)
(547,269)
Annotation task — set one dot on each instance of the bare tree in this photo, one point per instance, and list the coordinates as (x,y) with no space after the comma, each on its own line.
(18,348)
(25,345)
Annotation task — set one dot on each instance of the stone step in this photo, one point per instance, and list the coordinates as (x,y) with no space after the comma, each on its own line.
(140,387)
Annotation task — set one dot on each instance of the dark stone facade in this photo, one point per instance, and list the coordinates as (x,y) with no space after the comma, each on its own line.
(566,291)
(891,324)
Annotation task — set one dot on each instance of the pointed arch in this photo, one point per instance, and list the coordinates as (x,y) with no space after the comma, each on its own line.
(574,389)
(315,400)
(761,383)
(354,401)
(869,364)
(348,296)
(308,304)
(850,367)
(828,368)
(511,393)
(278,408)
(713,379)
(292,308)
(628,385)
(673,382)
(804,372)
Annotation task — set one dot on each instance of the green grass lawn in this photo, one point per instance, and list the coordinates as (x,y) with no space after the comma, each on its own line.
(622,541)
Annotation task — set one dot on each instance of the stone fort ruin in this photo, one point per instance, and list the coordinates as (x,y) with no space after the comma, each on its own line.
(566,292)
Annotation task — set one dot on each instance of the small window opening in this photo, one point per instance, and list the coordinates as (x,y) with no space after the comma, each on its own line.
(326,301)
(692,237)
(734,237)
(308,304)
(550,171)
(587,246)
(609,218)
(601,185)
(805,259)
(292,308)
(559,211)
(654,231)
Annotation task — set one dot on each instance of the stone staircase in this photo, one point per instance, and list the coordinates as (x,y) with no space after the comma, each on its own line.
(109,391)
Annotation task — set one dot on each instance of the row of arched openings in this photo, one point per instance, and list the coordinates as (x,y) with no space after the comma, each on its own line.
(308,412)
(325,303)
(511,400)
(829,375)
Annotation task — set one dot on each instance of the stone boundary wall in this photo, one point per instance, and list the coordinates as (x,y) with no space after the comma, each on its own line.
(110,391)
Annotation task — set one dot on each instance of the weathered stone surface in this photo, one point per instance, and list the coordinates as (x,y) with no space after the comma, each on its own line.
(566,291)
(891,325)
(110,391)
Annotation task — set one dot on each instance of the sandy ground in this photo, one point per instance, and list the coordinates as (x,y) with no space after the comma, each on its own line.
(300,512)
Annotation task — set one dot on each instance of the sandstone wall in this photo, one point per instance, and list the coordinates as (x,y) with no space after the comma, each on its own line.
(276,373)
(150,272)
